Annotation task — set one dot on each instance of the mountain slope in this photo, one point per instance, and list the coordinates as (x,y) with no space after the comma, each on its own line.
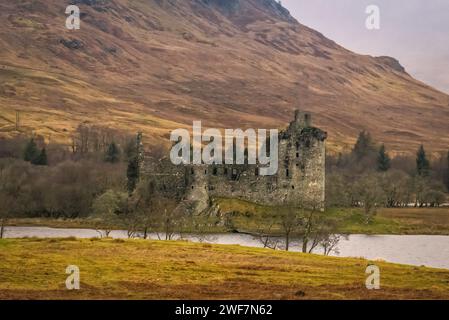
(155,65)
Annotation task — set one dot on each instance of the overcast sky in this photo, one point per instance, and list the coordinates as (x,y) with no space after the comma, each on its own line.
(416,32)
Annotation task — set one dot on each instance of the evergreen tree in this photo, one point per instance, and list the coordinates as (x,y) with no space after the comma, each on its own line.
(422,163)
(112,154)
(31,152)
(132,174)
(41,159)
(383,160)
(364,145)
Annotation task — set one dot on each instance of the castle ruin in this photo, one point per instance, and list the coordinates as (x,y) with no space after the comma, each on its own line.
(300,180)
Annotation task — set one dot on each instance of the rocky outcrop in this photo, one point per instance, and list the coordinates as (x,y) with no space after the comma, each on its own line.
(391,63)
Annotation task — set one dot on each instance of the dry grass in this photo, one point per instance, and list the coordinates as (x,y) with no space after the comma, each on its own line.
(137,269)
(434,216)
(431,221)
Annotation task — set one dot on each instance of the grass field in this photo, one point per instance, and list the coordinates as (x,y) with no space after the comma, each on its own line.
(430,221)
(138,269)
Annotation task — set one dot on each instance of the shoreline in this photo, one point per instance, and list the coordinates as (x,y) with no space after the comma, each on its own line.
(402,249)
(208,233)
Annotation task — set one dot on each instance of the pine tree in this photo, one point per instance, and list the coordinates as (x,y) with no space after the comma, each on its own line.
(422,163)
(31,152)
(132,174)
(112,154)
(383,160)
(41,159)
(364,145)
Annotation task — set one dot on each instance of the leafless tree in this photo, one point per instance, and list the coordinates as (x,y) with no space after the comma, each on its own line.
(265,230)
(329,243)
(369,195)
(12,183)
(197,225)
(156,212)
(322,232)
(290,220)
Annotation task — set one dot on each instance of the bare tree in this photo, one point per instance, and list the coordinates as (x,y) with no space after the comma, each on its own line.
(394,184)
(133,223)
(314,227)
(322,232)
(155,211)
(291,219)
(338,191)
(198,225)
(172,218)
(142,203)
(264,233)
(329,243)
(369,195)
(13,177)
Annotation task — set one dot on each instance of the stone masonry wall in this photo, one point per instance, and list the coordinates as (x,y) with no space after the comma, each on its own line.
(300,180)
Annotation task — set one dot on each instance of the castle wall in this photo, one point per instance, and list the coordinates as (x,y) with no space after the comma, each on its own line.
(300,180)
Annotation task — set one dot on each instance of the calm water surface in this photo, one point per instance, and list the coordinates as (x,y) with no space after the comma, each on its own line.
(431,251)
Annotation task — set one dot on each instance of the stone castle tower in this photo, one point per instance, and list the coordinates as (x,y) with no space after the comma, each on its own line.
(300,180)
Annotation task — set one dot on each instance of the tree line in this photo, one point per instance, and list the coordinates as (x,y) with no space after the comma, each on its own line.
(368,177)
(98,177)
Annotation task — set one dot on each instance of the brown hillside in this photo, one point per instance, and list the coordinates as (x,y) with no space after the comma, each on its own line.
(154,65)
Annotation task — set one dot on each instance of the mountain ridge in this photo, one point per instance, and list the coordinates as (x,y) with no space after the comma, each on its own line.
(156,65)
